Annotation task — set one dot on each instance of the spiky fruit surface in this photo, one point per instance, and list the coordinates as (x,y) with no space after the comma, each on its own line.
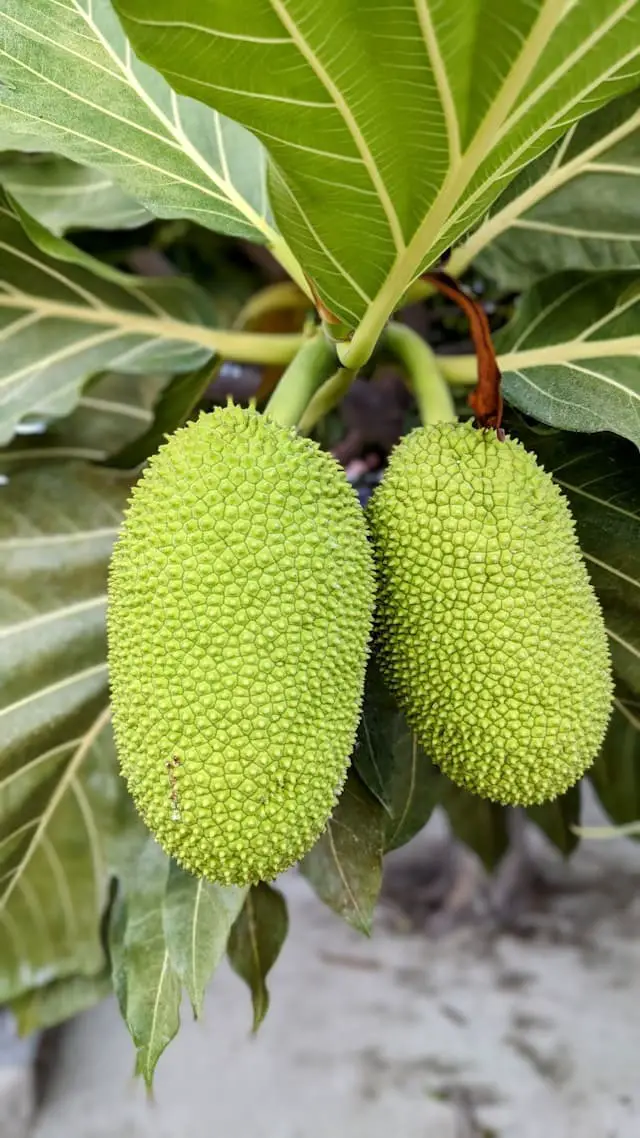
(491,635)
(240,607)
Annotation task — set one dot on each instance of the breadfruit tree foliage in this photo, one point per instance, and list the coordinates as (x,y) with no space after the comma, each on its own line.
(363,144)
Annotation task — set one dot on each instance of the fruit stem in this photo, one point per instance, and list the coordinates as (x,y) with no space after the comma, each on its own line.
(327,397)
(313,364)
(460,369)
(278,297)
(420,365)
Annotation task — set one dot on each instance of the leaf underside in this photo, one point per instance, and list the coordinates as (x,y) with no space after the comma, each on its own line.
(341,102)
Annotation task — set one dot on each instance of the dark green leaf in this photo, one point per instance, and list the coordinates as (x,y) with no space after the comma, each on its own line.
(345,865)
(145,981)
(481,825)
(46,1007)
(392,764)
(616,773)
(601,478)
(255,942)
(198,916)
(555,819)
(175,405)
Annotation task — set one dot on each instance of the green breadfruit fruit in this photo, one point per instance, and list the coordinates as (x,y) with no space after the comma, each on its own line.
(240,609)
(490,634)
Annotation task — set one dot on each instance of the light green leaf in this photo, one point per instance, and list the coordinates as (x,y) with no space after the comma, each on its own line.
(63,195)
(58,776)
(68,75)
(46,1007)
(113,410)
(345,865)
(365,192)
(575,207)
(146,984)
(60,324)
(255,942)
(198,916)
(569,357)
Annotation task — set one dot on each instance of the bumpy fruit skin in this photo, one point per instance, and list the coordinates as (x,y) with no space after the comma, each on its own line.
(240,609)
(491,636)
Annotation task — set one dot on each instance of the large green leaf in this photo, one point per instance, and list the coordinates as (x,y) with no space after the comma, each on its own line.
(63,195)
(575,207)
(68,76)
(255,943)
(345,865)
(570,355)
(392,127)
(61,323)
(58,780)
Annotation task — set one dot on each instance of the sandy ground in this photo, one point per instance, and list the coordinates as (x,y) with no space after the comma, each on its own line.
(454,1020)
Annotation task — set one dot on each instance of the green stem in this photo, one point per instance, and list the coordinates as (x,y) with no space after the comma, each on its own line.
(421,367)
(274,298)
(327,397)
(459,369)
(313,364)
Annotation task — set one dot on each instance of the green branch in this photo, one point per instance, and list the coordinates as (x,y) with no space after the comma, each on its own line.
(423,372)
(327,397)
(313,364)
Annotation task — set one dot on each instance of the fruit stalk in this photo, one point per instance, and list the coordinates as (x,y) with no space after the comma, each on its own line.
(420,365)
(314,363)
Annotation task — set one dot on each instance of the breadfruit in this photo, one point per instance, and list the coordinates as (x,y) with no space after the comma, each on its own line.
(490,634)
(240,609)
